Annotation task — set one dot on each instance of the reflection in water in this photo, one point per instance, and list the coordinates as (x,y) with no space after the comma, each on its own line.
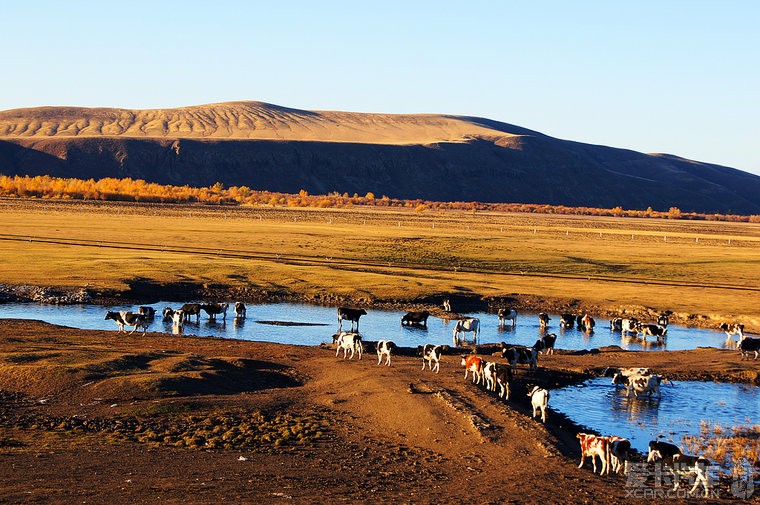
(599,405)
(633,342)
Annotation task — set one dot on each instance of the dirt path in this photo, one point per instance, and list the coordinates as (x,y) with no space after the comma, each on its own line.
(389,434)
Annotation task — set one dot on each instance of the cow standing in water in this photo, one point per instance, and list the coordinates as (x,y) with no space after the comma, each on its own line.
(353,315)
(466,325)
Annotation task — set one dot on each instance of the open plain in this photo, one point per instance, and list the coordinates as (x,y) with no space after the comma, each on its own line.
(101,417)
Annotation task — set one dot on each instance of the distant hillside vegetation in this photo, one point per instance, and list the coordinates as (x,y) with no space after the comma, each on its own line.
(427,156)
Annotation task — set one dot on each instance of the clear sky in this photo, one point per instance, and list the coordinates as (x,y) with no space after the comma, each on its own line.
(672,76)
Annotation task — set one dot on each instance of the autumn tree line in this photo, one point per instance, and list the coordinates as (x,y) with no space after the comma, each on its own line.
(138,190)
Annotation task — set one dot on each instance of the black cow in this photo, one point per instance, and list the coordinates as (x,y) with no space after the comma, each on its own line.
(192,309)
(416,318)
(748,345)
(567,320)
(545,343)
(352,315)
(662,451)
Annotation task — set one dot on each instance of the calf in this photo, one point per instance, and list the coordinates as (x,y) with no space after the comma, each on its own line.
(240,310)
(686,465)
(748,345)
(124,318)
(515,354)
(594,446)
(466,325)
(545,343)
(662,451)
(539,400)
(654,330)
(148,312)
(543,320)
(431,353)
(348,342)
(620,449)
(567,320)
(353,315)
(192,309)
(214,309)
(418,318)
(732,329)
(385,348)
(507,315)
(474,364)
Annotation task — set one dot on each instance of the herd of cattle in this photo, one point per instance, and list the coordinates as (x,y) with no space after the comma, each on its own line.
(614,452)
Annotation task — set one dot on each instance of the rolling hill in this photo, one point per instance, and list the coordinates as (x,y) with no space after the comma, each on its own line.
(429,156)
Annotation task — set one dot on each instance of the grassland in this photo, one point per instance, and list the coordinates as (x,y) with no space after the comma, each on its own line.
(371,256)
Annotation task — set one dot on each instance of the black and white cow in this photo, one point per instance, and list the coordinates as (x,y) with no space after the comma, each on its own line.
(567,320)
(639,384)
(732,329)
(507,315)
(348,314)
(415,318)
(629,325)
(620,452)
(503,378)
(384,348)
(192,309)
(431,353)
(586,323)
(125,318)
(148,312)
(654,330)
(748,345)
(348,341)
(663,319)
(688,466)
(616,324)
(515,354)
(545,343)
(168,314)
(466,325)
(543,320)
(240,310)
(662,451)
(214,309)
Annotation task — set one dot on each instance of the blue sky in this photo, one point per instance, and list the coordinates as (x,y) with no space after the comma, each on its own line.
(674,76)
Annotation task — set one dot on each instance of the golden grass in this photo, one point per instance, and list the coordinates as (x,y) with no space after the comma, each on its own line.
(710,268)
(729,447)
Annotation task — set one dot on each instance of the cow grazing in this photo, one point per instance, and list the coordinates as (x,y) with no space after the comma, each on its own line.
(539,400)
(732,329)
(543,320)
(474,364)
(586,323)
(616,324)
(431,353)
(619,456)
(663,319)
(507,315)
(192,309)
(214,309)
(516,354)
(124,318)
(748,345)
(385,348)
(654,330)
(348,342)
(545,343)
(662,451)
(466,325)
(594,446)
(415,318)
(240,310)
(148,312)
(629,325)
(687,465)
(567,320)
(639,384)
(353,315)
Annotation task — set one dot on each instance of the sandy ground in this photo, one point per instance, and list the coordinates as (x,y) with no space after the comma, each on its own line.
(387,434)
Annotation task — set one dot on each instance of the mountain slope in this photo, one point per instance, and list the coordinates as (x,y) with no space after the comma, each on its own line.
(428,156)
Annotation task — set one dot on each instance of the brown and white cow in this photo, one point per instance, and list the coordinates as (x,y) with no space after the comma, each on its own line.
(125,318)
(732,329)
(594,446)
(431,353)
(474,364)
(586,323)
(384,348)
(348,314)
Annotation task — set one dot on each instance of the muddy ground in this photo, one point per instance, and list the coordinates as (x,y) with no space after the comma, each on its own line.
(101,417)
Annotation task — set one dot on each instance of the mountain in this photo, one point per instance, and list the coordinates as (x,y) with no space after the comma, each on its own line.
(428,156)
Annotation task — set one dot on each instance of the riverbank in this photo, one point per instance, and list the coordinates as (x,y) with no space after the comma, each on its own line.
(107,417)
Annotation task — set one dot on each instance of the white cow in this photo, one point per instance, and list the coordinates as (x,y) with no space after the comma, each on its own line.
(466,325)
(348,341)
(539,400)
